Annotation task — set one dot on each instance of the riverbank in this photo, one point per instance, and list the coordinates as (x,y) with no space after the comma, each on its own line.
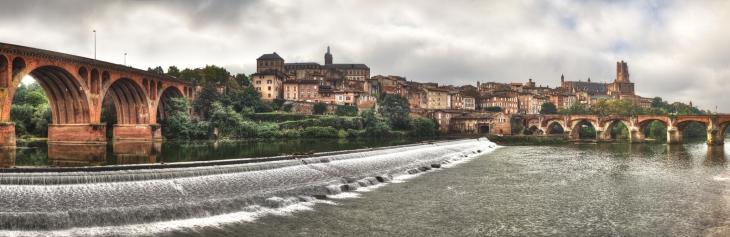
(520,140)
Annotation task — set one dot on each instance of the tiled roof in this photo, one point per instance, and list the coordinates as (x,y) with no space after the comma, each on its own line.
(269,56)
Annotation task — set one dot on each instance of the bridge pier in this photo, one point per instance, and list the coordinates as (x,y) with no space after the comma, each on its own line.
(603,136)
(715,136)
(635,135)
(674,135)
(7,136)
(77,133)
(138,132)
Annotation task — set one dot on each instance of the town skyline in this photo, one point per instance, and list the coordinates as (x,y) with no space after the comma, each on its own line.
(675,48)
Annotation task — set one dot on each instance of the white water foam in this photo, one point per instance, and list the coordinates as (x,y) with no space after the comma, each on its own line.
(398,162)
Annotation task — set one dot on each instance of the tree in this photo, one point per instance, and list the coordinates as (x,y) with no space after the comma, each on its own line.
(656,102)
(173,71)
(190,75)
(204,100)
(41,118)
(242,80)
(422,127)
(493,109)
(319,108)
(19,97)
(574,109)
(368,117)
(548,108)
(248,97)
(157,70)
(177,123)
(35,99)
(21,115)
(214,74)
(396,109)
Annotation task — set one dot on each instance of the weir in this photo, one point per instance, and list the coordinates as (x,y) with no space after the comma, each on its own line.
(50,201)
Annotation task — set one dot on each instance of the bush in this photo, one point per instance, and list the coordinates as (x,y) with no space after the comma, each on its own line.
(342,133)
(177,123)
(422,127)
(277,103)
(356,133)
(319,108)
(275,117)
(324,121)
(517,129)
(381,129)
(291,133)
(319,132)
(21,115)
(267,130)
(346,110)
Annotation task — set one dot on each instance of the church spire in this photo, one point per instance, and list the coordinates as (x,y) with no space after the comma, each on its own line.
(328,57)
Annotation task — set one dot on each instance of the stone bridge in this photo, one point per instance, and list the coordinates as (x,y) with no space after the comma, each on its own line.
(715,125)
(76,87)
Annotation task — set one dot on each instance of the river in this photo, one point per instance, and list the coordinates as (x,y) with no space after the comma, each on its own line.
(588,189)
(579,189)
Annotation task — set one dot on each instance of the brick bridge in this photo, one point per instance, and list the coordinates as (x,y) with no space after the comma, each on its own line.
(76,87)
(715,125)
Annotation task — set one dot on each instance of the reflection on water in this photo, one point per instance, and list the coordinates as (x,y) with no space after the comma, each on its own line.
(40,153)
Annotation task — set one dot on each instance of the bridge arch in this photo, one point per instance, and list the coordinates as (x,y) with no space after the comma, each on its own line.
(169,92)
(578,124)
(69,103)
(609,125)
(4,72)
(131,104)
(551,124)
(18,66)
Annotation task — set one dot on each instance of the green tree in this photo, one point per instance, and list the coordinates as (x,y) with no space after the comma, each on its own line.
(242,80)
(173,71)
(368,118)
(191,75)
(204,100)
(656,130)
(493,109)
(19,96)
(177,124)
(548,108)
(41,119)
(215,74)
(396,110)
(319,108)
(35,99)
(657,102)
(422,127)
(248,97)
(21,115)
(157,70)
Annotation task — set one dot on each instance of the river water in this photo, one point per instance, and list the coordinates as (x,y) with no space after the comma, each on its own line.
(580,189)
(615,189)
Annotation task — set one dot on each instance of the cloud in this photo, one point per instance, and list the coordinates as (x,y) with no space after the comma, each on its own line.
(675,49)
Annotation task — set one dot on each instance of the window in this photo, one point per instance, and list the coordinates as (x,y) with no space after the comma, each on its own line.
(258,88)
(315,94)
(315,86)
(268,82)
(295,88)
(261,64)
(269,95)
(269,87)
(287,89)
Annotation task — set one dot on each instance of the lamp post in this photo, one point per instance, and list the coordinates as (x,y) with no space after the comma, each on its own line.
(125,59)
(94,44)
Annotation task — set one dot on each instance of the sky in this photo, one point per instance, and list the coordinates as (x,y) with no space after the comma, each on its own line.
(677,50)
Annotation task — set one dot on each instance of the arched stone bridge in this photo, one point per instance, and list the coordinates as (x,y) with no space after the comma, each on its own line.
(715,125)
(76,87)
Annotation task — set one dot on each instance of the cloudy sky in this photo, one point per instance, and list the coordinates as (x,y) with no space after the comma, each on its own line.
(678,50)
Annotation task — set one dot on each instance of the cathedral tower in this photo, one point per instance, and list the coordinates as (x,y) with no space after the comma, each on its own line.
(622,72)
(328,57)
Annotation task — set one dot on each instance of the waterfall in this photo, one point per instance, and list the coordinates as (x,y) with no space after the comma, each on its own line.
(42,201)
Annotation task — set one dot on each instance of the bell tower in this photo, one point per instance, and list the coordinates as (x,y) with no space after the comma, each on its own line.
(622,72)
(328,57)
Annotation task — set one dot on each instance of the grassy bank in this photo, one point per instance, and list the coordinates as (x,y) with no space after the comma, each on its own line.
(525,140)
